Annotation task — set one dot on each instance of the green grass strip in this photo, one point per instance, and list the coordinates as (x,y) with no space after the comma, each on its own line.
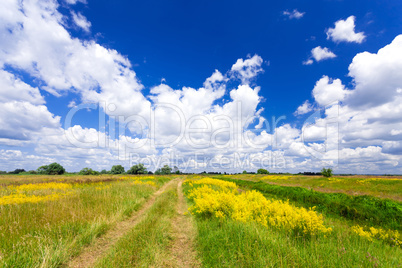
(364,209)
(147,244)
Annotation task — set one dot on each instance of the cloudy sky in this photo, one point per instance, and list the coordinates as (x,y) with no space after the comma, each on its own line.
(210,85)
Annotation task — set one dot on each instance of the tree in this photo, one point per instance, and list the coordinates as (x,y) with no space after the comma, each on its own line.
(176,170)
(326,172)
(166,170)
(103,171)
(117,169)
(88,171)
(52,169)
(262,171)
(137,169)
(244,172)
(17,171)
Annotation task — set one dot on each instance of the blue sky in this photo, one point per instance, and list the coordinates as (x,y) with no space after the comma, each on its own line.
(270,56)
(184,41)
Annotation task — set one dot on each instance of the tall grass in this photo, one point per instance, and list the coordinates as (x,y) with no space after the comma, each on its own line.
(382,187)
(235,244)
(367,210)
(47,234)
(146,245)
(223,242)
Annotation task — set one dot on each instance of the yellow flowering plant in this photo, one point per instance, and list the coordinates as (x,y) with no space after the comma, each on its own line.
(34,193)
(222,199)
(392,237)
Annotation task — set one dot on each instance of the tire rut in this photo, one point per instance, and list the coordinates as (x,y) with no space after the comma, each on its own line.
(182,252)
(91,254)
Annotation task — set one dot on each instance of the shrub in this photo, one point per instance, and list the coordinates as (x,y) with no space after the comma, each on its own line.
(262,171)
(166,170)
(326,172)
(88,171)
(361,208)
(117,169)
(137,169)
(52,169)
(163,171)
(221,199)
(17,171)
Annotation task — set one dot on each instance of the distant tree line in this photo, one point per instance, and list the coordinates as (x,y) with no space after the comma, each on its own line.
(57,169)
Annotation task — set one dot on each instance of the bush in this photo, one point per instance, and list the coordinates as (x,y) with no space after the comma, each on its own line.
(363,209)
(166,170)
(326,172)
(262,171)
(176,170)
(163,171)
(88,171)
(52,169)
(17,171)
(137,169)
(117,169)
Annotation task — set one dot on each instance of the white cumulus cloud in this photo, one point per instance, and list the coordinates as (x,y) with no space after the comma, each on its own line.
(319,53)
(306,107)
(378,76)
(344,31)
(327,91)
(247,69)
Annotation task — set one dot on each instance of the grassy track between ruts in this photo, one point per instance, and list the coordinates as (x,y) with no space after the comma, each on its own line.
(146,245)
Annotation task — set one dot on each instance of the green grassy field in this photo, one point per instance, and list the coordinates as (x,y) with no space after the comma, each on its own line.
(233,243)
(382,187)
(237,221)
(48,233)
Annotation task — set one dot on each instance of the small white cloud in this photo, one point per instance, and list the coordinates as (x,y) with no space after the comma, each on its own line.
(306,107)
(319,53)
(327,91)
(247,69)
(295,14)
(81,21)
(308,62)
(72,104)
(345,31)
(73,2)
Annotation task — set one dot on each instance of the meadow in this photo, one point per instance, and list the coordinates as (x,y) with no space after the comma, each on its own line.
(200,221)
